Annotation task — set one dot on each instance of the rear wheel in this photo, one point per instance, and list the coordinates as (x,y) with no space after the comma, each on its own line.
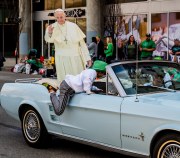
(167,147)
(33,128)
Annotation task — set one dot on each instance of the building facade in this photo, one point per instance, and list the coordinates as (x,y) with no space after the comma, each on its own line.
(117,18)
(161,18)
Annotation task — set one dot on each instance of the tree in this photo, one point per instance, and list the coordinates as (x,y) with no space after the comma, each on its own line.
(112,12)
(112,16)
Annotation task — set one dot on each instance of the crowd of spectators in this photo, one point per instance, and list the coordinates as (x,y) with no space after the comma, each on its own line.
(133,50)
(104,49)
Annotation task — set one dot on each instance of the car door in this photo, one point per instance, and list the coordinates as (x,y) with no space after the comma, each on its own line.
(94,118)
(140,118)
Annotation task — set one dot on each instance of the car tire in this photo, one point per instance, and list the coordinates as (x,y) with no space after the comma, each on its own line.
(33,129)
(168,146)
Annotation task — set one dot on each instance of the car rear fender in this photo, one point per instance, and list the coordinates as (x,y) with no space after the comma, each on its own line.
(27,103)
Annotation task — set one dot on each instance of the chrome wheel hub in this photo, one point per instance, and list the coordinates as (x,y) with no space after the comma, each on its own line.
(32,127)
(171,151)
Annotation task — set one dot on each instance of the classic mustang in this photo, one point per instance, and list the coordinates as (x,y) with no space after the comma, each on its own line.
(137,113)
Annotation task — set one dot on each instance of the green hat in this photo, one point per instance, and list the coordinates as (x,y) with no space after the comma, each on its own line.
(157,58)
(99,65)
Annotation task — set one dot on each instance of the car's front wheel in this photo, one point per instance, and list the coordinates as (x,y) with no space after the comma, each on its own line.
(33,128)
(167,147)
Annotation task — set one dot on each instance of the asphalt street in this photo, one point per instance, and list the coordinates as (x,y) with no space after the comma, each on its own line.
(13,145)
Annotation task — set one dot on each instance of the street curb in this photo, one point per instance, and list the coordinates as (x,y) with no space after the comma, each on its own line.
(7,68)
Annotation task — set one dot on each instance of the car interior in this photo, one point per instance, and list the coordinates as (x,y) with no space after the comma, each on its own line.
(148,77)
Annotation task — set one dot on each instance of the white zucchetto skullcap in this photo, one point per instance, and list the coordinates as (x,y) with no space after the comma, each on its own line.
(59,10)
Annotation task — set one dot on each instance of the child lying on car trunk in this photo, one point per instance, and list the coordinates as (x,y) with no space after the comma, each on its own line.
(76,84)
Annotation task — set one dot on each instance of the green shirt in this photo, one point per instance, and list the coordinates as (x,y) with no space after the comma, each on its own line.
(131,51)
(109,51)
(147,44)
(37,63)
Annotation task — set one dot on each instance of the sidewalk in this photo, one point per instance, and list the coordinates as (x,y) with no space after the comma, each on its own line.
(7,76)
(6,68)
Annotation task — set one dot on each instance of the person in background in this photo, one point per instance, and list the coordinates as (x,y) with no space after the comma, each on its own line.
(32,53)
(34,65)
(147,47)
(121,55)
(71,52)
(109,51)
(76,84)
(20,67)
(2,60)
(175,50)
(130,49)
(100,48)
(92,47)
(157,80)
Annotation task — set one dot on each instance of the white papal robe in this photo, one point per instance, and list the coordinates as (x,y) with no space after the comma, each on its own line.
(71,52)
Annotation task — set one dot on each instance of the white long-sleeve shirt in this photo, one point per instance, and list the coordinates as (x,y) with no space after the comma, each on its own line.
(83,81)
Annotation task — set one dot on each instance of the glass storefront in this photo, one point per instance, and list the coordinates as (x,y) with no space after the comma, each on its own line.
(53,4)
(48,48)
(9,26)
(174,27)
(8,41)
(37,42)
(122,1)
(38,6)
(44,49)
(75,3)
(165,28)
(159,32)
(81,22)
(47,5)
(124,26)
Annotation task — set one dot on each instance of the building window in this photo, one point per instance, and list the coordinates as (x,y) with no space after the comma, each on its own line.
(159,30)
(9,27)
(37,36)
(47,49)
(121,1)
(81,22)
(125,26)
(75,3)
(38,5)
(53,4)
(164,31)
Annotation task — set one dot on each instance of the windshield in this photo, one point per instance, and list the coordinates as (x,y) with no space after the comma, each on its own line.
(148,77)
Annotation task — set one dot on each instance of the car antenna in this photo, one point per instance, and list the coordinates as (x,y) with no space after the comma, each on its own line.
(136,72)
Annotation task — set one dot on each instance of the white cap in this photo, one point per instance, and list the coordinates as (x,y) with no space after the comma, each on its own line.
(59,10)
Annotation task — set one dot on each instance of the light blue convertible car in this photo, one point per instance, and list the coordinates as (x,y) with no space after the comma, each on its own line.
(137,113)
